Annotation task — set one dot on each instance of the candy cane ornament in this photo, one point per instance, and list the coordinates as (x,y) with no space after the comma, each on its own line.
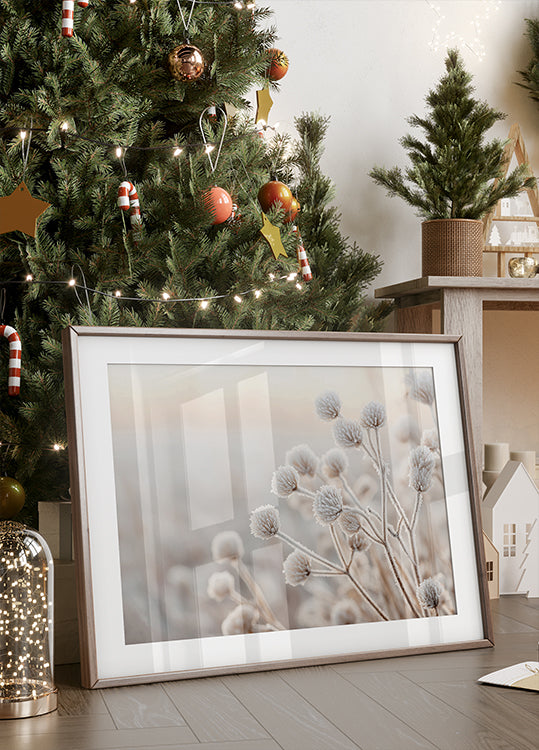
(68,7)
(15,351)
(306,273)
(128,201)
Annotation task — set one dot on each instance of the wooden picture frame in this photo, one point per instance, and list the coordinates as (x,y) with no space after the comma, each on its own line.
(248,500)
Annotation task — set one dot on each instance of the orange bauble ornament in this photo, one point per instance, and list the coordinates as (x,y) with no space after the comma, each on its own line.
(275,194)
(186,63)
(278,66)
(292,213)
(218,203)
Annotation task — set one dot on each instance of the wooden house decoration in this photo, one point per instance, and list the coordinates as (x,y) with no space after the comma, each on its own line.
(510,513)
(524,239)
(492,567)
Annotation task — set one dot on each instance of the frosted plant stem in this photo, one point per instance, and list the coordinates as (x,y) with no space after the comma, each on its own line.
(350,491)
(256,591)
(417,508)
(306,491)
(298,545)
(337,544)
(390,557)
(325,573)
(371,601)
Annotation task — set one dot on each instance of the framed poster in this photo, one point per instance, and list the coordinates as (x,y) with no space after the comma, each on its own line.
(253,500)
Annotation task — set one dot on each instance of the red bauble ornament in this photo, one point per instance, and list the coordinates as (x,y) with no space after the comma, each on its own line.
(292,213)
(278,66)
(218,203)
(275,194)
(11,497)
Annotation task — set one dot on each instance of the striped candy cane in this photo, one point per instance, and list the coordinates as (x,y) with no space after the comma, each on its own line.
(15,350)
(128,201)
(306,274)
(68,7)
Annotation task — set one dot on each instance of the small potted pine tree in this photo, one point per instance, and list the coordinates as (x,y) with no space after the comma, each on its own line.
(455,177)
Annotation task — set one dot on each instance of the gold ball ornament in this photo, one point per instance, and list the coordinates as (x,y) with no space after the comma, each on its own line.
(186,63)
(12,497)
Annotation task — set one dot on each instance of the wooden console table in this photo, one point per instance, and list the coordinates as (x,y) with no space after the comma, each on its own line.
(461,301)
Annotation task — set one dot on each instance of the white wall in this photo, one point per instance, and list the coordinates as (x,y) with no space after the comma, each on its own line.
(369,65)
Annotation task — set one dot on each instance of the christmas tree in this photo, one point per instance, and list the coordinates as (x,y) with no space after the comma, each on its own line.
(454,173)
(116,116)
(531,74)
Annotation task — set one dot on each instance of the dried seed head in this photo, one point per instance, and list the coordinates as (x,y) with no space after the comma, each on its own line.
(345,612)
(303,459)
(359,542)
(373,415)
(221,585)
(420,386)
(349,521)
(227,545)
(429,593)
(328,406)
(327,505)
(284,481)
(347,433)
(335,463)
(422,463)
(297,568)
(265,522)
(431,440)
(241,620)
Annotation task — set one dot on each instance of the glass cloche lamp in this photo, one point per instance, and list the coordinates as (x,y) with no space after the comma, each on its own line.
(26,613)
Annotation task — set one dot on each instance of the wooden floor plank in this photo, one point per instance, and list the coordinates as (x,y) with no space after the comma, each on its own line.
(53,723)
(518,610)
(504,624)
(141,706)
(486,705)
(119,739)
(267,744)
(362,719)
(290,719)
(212,711)
(446,727)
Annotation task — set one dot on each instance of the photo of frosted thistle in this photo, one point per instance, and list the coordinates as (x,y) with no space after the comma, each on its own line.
(256,499)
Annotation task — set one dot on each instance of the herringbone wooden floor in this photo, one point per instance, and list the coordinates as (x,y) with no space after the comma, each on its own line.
(420,702)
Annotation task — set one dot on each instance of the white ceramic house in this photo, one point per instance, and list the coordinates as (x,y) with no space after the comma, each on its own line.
(511,519)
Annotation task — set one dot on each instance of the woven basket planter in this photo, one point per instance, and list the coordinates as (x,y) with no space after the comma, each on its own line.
(452,247)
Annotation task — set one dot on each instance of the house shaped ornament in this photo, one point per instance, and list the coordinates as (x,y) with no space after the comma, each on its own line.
(510,513)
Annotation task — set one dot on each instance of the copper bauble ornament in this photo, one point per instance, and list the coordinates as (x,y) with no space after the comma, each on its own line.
(292,212)
(186,63)
(218,203)
(278,66)
(275,194)
(11,497)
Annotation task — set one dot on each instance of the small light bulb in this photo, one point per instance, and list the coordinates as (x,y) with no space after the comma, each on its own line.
(209,148)
(204,304)
(72,282)
(117,293)
(64,126)
(23,134)
(57,447)
(119,152)
(250,5)
(272,277)
(237,298)
(238,5)
(29,277)
(298,286)
(257,293)
(291,276)
(166,295)
(261,123)
(178,151)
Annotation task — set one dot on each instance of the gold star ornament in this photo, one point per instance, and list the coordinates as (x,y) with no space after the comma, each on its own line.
(20,211)
(264,103)
(273,235)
